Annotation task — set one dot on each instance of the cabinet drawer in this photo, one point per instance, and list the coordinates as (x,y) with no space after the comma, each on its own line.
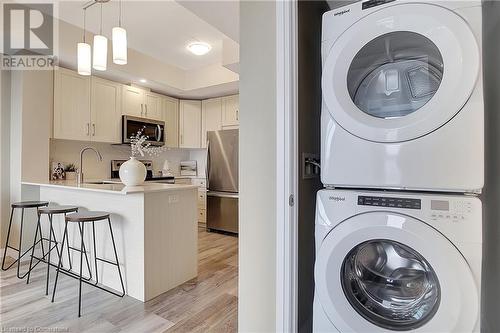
(202,215)
(183,181)
(201,182)
(202,199)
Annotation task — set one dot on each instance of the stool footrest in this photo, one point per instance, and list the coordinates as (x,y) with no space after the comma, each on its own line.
(73,274)
(107,261)
(94,284)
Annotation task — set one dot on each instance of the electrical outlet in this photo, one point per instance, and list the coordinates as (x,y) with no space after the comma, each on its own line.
(310,166)
(173,198)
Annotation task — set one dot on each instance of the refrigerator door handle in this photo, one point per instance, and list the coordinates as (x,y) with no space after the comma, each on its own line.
(222,194)
(207,165)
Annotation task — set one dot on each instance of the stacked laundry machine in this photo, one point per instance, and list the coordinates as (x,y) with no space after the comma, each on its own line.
(399,223)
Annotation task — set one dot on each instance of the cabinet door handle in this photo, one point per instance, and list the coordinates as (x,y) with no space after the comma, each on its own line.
(237,114)
(93,129)
(142,108)
(88,129)
(182,139)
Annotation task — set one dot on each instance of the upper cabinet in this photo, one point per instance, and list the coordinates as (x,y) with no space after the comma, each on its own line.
(171,117)
(211,118)
(86,108)
(71,105)
(189,124)
(105,110)
(132,101)
(231,111)
(141,103)
(153,105)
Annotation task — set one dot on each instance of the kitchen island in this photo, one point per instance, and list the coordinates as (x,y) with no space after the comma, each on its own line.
(155,230)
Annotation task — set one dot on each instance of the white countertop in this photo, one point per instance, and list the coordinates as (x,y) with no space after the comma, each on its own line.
(110,187)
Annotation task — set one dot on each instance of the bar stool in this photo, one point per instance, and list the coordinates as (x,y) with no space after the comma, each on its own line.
(21,205)
(81,218)
(50,211)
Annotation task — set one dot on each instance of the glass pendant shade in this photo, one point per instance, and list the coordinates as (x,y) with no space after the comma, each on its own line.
(84,58)
(119,46)
(100,53)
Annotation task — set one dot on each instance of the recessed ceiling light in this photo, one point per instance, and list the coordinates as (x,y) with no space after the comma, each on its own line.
(143,80)
(199,48)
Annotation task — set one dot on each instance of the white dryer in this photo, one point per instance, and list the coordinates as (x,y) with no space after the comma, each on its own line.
(402,96)
(393,262)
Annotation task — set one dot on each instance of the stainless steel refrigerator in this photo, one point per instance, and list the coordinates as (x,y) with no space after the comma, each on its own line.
(222,173)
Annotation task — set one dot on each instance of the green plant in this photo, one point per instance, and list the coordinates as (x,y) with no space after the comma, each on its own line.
(70,168)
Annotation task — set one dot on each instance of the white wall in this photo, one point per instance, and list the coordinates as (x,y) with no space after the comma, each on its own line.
(4,154)
(257,236)
(27,115)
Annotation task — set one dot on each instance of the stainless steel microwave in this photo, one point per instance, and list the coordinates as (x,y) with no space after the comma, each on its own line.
(153,129)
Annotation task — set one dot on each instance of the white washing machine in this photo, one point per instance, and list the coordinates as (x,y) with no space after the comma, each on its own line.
(402,96)
(393,262)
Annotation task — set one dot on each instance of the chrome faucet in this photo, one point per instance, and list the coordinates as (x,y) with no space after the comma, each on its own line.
(80,169)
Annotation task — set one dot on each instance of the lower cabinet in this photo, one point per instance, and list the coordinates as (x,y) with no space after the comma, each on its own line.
(202,197)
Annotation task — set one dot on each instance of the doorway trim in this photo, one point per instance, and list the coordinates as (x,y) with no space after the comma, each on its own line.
(287,166)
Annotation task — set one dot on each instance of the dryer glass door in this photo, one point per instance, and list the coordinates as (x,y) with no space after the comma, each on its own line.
(400,72)
(395,74)
(384,271)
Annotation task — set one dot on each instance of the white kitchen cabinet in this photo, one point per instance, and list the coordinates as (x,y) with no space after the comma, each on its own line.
(105,111)
(211,114)
(86,108)
(132,101)
(153,105)
(71,105)
(189,124)
(141,103)
(171,118)
(230,111)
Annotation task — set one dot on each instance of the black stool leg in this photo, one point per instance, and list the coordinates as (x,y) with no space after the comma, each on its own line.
(86,256)
(65,236)
(20,245)
(95,253)
(7,242)
(116,256)
(33,247)
(69,255)
(80,277)
(48,257)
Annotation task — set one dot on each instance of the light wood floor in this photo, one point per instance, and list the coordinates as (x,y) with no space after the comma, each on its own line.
(205,304)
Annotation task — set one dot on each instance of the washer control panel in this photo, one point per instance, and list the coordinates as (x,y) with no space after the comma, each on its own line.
(453,211)
(408,203)
(373,3)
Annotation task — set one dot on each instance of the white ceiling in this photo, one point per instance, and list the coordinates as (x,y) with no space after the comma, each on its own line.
(160,29)
(158,33)
(224,15)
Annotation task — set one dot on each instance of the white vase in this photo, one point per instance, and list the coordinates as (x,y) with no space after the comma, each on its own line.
(132,172)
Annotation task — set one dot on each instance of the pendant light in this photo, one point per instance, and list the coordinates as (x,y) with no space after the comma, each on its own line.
(119,41)
(100,50)
(84,53)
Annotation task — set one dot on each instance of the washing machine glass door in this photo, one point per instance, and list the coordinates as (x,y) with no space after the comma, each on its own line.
(401,72)
(384,271)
